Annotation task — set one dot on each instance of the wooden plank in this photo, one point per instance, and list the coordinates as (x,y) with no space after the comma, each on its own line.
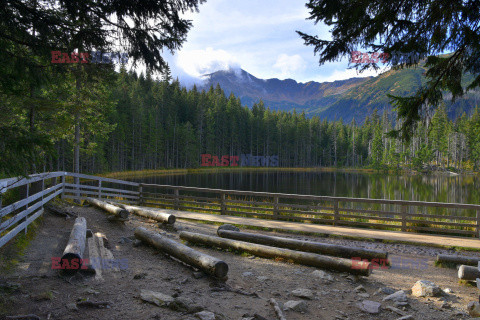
(96,178)
(84,186)
(371,217)
(441,230)
(19,216)
(19,227)
(455,224)
(84,192)
(85,198)
(21,203)
(10,183)
(432,216)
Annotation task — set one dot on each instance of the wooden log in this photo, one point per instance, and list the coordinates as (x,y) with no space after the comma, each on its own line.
(468,273)
(457,259)
(156,215)
(119,213)
(306,258)
(206,263)
(307,246)
(73,252)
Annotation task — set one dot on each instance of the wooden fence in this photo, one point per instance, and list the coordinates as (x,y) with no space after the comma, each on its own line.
(407,216)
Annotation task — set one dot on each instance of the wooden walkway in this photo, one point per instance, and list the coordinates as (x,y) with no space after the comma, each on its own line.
(339,231)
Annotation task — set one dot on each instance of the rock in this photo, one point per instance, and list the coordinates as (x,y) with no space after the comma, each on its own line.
(396,310)
(360,288)
(198,274)
(183,304)
(72,306)
(247,274)
(448,290)
(140,276)
(263,278)
(322,275)
(400,304)
(409,317)
(398,296)
(303,293)
(299,306)
(363,295)
(384,290)
(369,306)
(125,240)
(424,288)
(205,315)
(228,227)
(158,298)
(137,243)
(473,308)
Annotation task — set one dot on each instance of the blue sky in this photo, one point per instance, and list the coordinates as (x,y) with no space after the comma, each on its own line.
(259,37)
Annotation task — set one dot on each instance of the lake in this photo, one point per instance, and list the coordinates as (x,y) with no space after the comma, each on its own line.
(434,187)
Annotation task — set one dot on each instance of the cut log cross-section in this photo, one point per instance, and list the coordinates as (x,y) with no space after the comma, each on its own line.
(468,273)
(156,215)
(202,261)
(307,246)
(311,259)
(73,252)
(117,212)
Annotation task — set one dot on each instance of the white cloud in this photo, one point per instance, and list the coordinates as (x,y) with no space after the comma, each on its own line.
(199,62)
(289,65)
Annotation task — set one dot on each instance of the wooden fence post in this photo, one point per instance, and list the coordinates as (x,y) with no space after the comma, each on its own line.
(100,189)
(140,194)
(223,208)
(404,218)
(335,212)
(26,207)
(63,188)
(478,227)
(176,199)
(275,207)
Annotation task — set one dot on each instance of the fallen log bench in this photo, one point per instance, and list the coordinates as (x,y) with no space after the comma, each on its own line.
(306,246)
(468,273)
(311,259)
(457,259)
(156,215)
(118,213)
(202,261)
(72,258)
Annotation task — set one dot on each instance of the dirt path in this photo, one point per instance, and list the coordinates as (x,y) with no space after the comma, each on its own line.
(44,293)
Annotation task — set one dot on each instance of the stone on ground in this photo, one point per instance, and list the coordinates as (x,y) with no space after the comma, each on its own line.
(398,296)
(205,315)
(369,306)
(157,298)
(303,293)
(425,288)
(299,306)
(473,308)
(229,227)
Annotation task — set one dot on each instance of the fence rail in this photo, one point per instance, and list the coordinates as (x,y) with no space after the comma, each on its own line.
(400,215)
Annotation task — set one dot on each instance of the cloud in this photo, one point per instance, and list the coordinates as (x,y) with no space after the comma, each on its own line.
(288,65)
(347,74)
(200,62)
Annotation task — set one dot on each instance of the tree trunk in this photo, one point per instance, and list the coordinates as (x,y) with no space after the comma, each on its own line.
(310,259)
(118,213)
(468,273)
(456,259)
(156,215)
(73,253)
(209,264)
(307,246)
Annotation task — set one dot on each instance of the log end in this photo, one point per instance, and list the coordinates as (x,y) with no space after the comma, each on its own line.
(171,219)
(123,214)
(461,272)
(70,263)
(221,270)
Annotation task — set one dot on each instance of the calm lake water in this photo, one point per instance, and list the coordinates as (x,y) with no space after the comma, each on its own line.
(435,187)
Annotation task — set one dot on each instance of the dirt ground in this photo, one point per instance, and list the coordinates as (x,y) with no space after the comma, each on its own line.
(45,293)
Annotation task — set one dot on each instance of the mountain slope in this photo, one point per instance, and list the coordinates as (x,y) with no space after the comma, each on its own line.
(343,99)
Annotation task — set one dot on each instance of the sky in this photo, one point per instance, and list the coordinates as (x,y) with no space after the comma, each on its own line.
(257,36)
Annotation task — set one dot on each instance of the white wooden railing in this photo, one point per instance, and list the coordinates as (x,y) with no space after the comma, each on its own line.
(32,193)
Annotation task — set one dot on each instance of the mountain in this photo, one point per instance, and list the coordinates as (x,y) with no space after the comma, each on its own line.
(342,99)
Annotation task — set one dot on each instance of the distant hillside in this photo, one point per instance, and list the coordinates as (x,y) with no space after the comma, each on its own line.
(343,99)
